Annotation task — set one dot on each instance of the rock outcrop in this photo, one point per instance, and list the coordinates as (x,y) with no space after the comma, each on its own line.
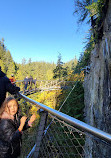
(97,88)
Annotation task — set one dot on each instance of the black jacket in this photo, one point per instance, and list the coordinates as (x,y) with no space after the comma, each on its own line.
(10,138)
(6,86)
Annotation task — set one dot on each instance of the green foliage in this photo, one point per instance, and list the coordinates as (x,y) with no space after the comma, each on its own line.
(85,7)
(2,65)
(84,58)
(49,98)
(38,70)
(83,61)
(95,8)
(74,107)
(75,103)
(6,61)
(80,9)
(29,136)
(96,11)
(44,71)
(71,65)
(92,9)
(60,71)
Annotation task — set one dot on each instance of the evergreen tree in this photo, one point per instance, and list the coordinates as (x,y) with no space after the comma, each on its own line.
(59,71)
(9,63)
(23,61)
(29,61)
(75,103)
(2,44)
(2,54)
(2,65)
(11,69)
(74,63)
(81,10)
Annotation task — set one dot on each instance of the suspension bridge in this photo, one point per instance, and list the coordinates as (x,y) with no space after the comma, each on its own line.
(61,136)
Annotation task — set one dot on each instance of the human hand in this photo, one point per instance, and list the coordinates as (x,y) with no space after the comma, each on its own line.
(23,119)
(32,118)
(22,122)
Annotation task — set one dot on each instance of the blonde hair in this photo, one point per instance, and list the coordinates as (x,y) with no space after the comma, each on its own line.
(5,103)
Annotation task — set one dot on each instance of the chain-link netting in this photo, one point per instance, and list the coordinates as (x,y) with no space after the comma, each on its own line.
(58,139)
(62,141)
(55,138)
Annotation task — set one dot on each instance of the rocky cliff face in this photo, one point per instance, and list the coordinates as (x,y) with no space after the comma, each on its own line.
(97,87)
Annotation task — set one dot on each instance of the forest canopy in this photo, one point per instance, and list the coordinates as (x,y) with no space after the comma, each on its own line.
(40,70)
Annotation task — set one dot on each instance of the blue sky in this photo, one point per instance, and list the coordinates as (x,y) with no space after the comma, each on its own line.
(40,29)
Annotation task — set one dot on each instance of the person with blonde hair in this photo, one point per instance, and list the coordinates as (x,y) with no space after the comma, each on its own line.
(11,128)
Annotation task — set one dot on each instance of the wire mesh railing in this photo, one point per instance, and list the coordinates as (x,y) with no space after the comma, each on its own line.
(62,136)
(65,141)
(62,140)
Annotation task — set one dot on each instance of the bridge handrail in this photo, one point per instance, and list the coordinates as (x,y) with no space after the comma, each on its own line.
(74,122)
(43,81)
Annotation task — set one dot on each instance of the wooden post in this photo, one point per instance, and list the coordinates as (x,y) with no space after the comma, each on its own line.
(41,128)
